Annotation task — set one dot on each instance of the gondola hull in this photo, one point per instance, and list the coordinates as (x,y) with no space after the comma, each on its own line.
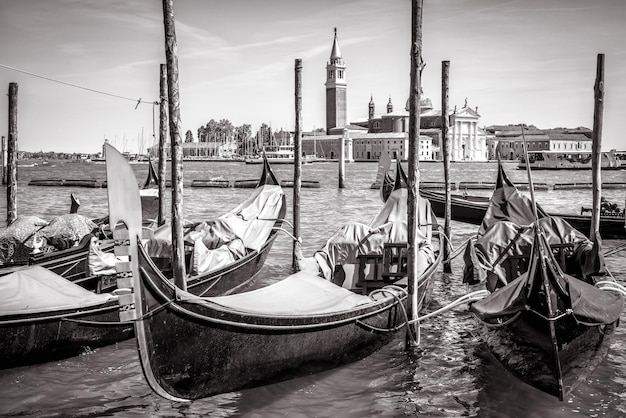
(472,209)
(36,338)
(197,350)
(524,348)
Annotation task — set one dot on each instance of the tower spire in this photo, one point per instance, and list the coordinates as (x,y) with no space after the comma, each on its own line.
(336,103)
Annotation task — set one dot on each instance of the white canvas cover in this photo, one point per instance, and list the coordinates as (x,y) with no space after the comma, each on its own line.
(36,289)
(228,238)
(354,239)
(301,293)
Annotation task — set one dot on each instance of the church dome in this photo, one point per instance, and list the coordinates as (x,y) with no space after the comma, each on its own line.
(425,103)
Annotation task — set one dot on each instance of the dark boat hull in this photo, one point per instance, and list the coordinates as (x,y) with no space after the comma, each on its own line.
(36,338)
(220,350)
(472,209)
(524,348)
(239,355)
(465,209)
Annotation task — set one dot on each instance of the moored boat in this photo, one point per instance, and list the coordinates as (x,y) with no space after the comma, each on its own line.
(569,160)
(471,209)
(192,347)
(545,319)
(44,317)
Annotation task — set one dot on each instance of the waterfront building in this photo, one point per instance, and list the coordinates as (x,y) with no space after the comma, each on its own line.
(367,138)
(508,141)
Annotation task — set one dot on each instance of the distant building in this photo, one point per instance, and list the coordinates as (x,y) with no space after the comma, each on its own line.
(367,138)
(507,140)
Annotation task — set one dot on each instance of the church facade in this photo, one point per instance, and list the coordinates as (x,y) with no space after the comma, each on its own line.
(366,139)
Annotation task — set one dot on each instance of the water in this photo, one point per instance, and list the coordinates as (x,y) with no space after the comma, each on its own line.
(451,374)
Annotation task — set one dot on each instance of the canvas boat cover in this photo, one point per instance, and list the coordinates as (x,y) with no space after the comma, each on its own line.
(30,234)
(505,232)
(301,293)
(228,238)
(35,290)
(485,259)
(588,304)
(354,239)
(509,229)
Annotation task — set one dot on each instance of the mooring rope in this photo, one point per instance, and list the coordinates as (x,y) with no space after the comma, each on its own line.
(615,250)
(612,286)
(78,87)
(459,249)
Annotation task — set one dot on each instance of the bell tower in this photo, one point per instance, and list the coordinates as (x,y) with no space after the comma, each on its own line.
(336,100)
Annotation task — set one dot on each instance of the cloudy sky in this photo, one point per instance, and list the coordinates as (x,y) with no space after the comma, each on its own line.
(82,65)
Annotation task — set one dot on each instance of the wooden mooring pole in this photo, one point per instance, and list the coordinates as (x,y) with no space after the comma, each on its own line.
(413,172)
(4,160)
(171,54)
(297,154)
(596,148)
(342,161)
(445,89)
(12,156)
(162,142)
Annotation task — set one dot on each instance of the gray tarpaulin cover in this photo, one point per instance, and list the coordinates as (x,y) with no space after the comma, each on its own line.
(228,238)
(353,239)
(36,289)
(301,293)
(588,303)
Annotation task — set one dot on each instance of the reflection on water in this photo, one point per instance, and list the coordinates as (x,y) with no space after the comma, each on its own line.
(451,374)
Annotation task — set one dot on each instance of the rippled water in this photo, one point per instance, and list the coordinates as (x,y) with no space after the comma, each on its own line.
(450,375)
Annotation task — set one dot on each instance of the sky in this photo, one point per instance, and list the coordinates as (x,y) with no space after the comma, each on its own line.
(83,65)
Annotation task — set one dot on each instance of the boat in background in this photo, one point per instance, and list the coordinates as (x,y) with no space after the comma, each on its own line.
(471,208)
(193,347)
(45,317)
(552,308)
(279,154)
(275,154)
(572,160)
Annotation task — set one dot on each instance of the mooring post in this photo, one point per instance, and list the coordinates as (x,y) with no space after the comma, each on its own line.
(342,160)
(171,54)
(445,77)
(297,155)
(596,148)
(162,142)
(12,156)
(4,160)
(413,172)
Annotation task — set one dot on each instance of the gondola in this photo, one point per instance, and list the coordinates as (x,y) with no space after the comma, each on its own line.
(471,209)
(545,319)
(223,255)
(73,263)
(192,347)
(45,317)
(82,265)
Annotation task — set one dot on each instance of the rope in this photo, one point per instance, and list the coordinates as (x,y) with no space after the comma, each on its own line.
(61,317)
(551,319)
(77,86)
(615,250)
(611,286)
(503,324)
(468,298)
(387,289)
(459,249)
